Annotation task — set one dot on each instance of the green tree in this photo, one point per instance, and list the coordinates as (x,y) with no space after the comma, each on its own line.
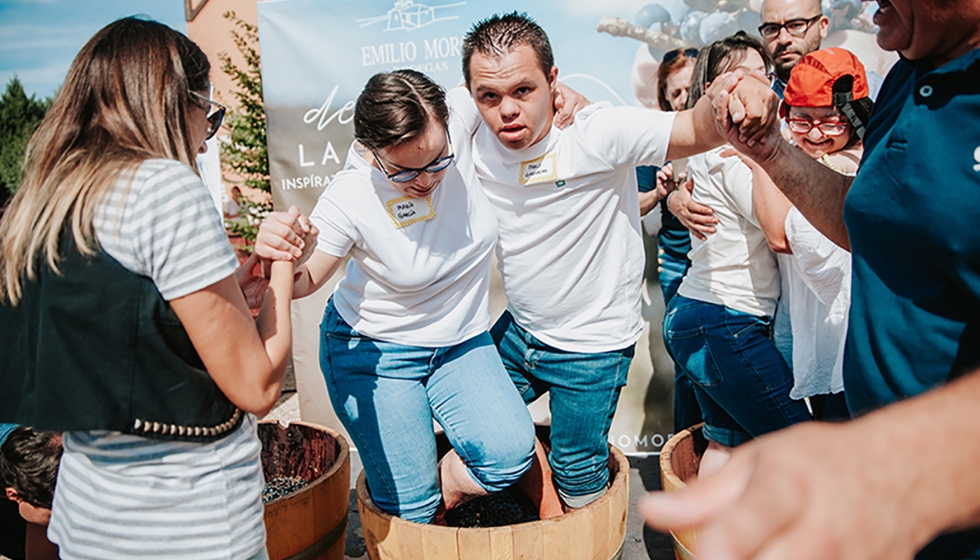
(245,156)
(19,118)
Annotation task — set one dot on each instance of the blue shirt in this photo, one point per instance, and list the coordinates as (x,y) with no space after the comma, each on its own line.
(913,217)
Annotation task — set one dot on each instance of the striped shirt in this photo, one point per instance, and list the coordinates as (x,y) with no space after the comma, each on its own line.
(122,496)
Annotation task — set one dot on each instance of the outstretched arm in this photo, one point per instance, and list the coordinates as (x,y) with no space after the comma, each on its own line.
(856,490)
(753,109)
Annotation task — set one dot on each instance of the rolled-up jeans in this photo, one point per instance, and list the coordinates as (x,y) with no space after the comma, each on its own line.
(741,381)
(583,393)
(387,396)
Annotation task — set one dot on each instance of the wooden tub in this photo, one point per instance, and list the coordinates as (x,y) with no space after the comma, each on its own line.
(679,461)
(595,532)
(310,523)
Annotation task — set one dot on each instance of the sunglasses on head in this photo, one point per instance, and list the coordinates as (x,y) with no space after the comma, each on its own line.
(689,53)
(215,118)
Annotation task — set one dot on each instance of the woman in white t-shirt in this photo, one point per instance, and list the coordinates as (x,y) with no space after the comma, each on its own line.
(718,327)
(404,337)
(124,319)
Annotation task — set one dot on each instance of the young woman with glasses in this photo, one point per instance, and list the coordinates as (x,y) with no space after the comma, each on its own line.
(126,324)
(404,337)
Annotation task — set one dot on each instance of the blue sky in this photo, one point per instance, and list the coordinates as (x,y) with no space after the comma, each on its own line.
(39,38)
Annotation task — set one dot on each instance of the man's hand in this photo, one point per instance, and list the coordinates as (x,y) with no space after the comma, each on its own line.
(699,219)
(876,488)
(812,492)
(746,113)
(568,103)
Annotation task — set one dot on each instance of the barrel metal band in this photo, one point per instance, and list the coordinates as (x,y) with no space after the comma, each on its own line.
(326,541)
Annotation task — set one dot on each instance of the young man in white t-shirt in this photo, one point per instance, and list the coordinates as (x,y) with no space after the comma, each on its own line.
(570,249)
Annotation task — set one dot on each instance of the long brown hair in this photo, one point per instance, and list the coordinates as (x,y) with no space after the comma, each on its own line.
(125,100)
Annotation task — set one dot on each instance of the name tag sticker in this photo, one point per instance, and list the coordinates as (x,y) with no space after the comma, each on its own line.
(408,210)
(540,170)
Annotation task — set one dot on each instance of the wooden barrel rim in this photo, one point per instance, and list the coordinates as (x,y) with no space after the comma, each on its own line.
(343,456)
(341,465)
(618,481)
(667,452)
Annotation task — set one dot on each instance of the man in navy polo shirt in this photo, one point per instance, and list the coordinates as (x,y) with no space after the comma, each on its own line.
(885,485)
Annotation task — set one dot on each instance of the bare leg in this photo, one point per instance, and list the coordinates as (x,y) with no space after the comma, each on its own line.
(538,484)
(457,483)
(714,458)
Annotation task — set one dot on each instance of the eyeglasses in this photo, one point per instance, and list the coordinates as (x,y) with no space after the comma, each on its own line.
(671,55)
(795,27)
(804,126)
(215,118)
(407,175)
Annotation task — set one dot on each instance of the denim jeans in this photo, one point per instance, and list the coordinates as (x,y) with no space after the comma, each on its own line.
(671,270)
(584,391)
(387,395)
(741,381)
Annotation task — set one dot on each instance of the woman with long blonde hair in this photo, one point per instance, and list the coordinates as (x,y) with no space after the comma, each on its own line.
(123,317)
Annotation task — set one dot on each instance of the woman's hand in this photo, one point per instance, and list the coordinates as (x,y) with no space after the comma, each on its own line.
(696,217)
(286,236)
(251,281)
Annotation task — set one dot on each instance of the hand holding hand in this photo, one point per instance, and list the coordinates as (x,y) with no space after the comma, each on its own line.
(696,217)
(251,281)
(286,236)
(746,113)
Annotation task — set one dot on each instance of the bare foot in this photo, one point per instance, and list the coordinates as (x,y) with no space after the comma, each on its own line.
(538,485)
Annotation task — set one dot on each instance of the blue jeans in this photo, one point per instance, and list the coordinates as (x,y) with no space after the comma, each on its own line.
(671,270)
(584,390)
(387,395)
(741,381)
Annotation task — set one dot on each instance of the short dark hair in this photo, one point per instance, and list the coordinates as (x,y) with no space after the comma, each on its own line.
(29,463)
(395,107)
(498,34)
(718,57)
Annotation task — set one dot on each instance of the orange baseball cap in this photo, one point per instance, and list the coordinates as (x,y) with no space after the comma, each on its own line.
(812,81)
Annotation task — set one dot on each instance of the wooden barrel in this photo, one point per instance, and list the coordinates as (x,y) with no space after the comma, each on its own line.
(310,523)
(679,461)
(595,532)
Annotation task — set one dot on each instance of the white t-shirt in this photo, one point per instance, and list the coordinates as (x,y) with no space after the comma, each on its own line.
(735,266)
(816,298)
(420,268)
(122,496)
(570,248)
